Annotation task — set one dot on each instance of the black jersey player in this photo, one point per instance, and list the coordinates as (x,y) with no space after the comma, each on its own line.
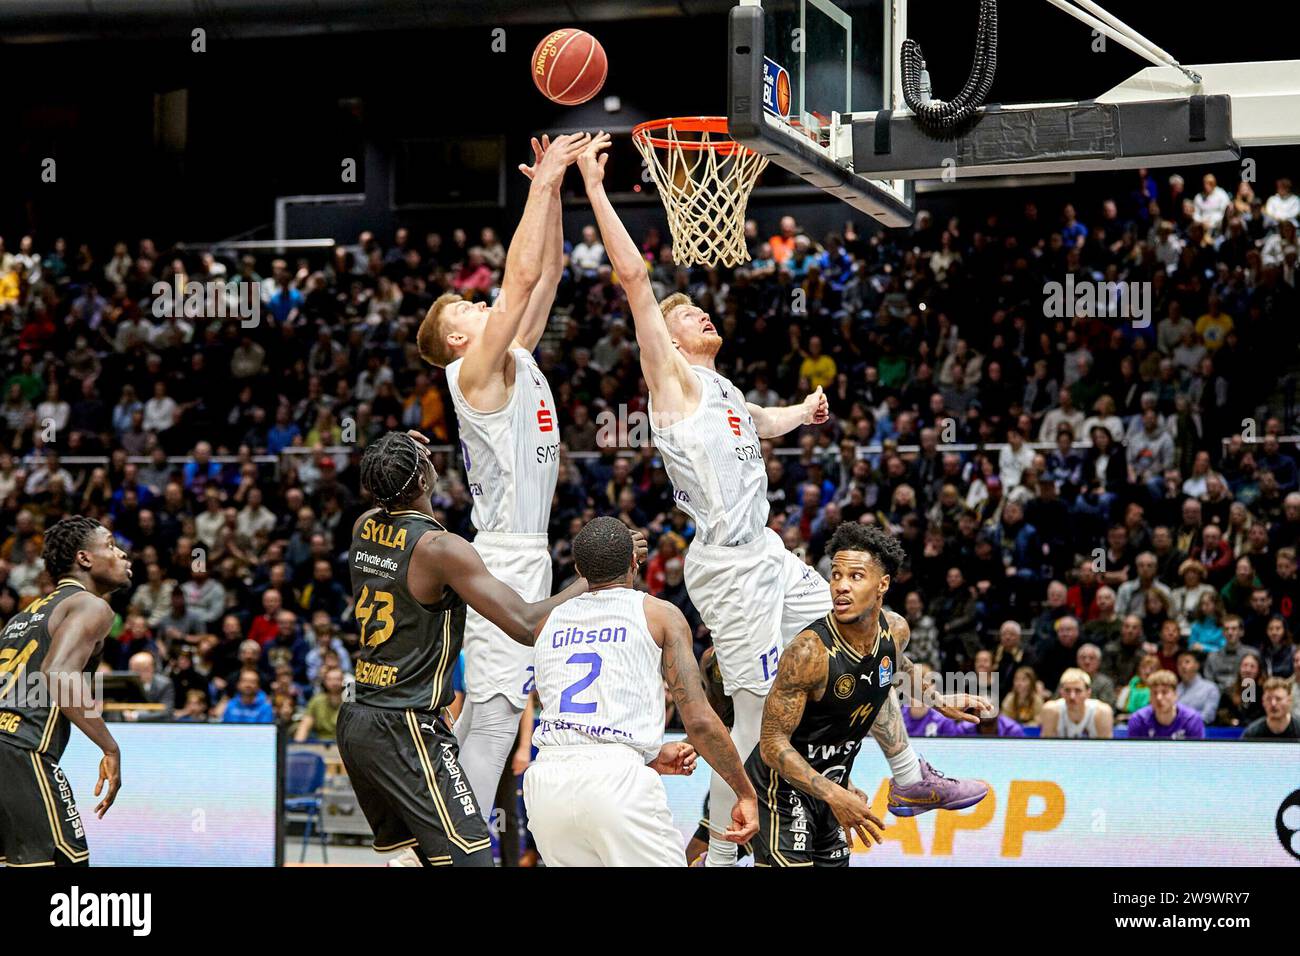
(834,688)
(45,652)
(411,581)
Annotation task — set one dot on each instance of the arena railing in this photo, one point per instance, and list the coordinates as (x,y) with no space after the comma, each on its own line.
(863,452)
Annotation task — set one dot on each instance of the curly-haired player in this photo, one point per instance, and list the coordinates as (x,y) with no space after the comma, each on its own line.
(412,580)
(833,688)
(55,642)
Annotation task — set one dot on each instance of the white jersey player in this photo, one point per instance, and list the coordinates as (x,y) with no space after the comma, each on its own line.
(594,797)
(510,444)
(752,593)
(1075,714)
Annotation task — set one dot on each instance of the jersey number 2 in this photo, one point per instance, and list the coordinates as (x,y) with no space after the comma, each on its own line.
(567,704)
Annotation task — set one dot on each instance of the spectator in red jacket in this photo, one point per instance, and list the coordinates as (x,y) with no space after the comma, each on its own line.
(1215,554)
(474,277)
(265,626)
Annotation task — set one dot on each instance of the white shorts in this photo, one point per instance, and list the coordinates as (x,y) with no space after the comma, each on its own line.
(495,664)
(755,598)
(599,805)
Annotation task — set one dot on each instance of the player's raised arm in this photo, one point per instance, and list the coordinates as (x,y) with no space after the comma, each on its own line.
(85,620)
(663,366)
(703,728)
(524,265)
(452,561)
(776,421)
(538,312)
(800,677)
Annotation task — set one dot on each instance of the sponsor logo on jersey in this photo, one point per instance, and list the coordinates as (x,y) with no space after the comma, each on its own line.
(545,420)
(376,675)
(886,671)
(844,685)
(459,786)
(733,420)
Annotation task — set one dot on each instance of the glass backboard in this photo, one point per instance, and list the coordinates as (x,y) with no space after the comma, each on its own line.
(825,59)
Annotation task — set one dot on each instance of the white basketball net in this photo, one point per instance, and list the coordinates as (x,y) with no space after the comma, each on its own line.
(704,180)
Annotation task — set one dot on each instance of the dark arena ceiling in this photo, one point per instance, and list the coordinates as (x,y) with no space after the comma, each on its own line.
(56,21)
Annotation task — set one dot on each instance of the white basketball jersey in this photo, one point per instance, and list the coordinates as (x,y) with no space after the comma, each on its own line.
(1084,729)
(715,461)
(598,674)
(511,455)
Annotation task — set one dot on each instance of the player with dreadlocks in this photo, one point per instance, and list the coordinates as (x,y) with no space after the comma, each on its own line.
(411,581)
(45,653)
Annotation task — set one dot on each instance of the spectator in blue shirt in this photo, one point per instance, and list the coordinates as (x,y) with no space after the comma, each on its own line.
(288,647)
(197,473)
(285,302)
(282,434)
(1282,466)
(836,264)
(1073,232)
(250,705)
(1195,691)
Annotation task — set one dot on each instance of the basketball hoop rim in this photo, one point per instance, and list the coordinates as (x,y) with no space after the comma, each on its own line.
(641,133)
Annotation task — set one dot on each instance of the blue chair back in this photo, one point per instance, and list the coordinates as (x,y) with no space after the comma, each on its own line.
(304,773)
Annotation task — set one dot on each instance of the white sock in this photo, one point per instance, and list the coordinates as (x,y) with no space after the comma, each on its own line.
(906,767)
(486,733)
(748,707)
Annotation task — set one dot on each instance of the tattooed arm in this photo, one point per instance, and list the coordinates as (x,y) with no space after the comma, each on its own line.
(705,731)
(889,730)
(800,677)
(953,706)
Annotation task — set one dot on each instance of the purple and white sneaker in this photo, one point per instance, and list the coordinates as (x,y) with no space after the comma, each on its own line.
(934,792)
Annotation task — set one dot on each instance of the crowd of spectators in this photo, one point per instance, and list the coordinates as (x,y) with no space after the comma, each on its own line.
(1122,499)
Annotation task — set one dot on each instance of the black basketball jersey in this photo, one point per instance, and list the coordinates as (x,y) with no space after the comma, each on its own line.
(832,729)
(408,649)
(28,718)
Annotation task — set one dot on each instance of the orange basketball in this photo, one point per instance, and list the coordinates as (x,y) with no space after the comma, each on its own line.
(569,67)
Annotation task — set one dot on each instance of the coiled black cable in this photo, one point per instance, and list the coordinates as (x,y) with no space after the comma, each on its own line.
(946,116)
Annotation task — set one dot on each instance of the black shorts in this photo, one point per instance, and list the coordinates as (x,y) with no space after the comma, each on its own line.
(405,769)
(794,829)
(39,821)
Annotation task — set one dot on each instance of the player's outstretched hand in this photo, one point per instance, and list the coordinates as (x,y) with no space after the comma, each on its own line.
(959,707)
(110,775)
(676,759)
(744,820)
(815,408)
(592,161)
(853,812)
(539,150)
(552,157)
